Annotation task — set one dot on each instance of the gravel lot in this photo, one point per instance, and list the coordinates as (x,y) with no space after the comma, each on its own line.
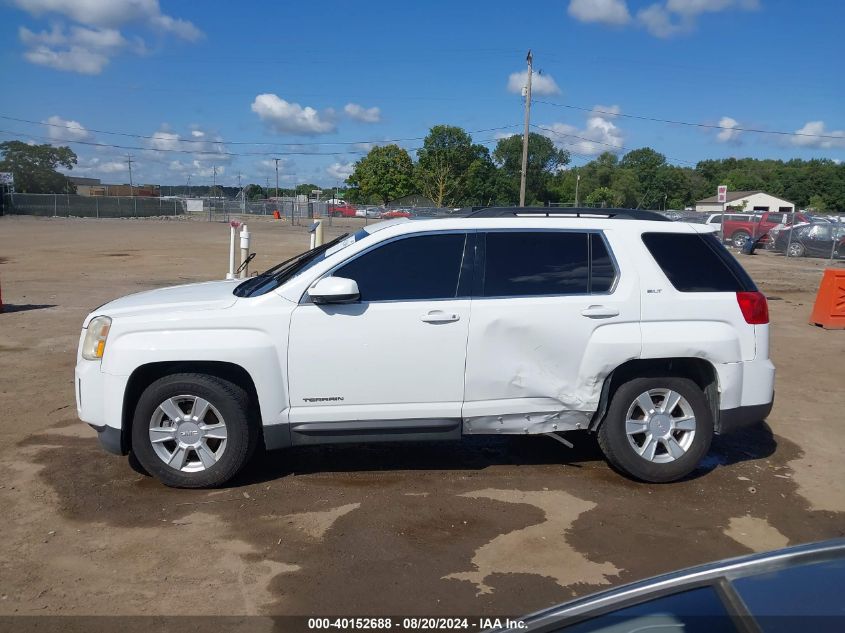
(489,526)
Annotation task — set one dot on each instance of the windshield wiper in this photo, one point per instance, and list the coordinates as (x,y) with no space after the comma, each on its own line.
(283,270)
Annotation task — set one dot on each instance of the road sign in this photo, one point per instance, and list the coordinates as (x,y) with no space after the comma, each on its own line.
(7,178)
(722,194)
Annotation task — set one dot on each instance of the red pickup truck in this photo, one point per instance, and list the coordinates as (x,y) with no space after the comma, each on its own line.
(740,230)
(341,211)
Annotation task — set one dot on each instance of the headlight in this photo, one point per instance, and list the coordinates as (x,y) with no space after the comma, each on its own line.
(95,338)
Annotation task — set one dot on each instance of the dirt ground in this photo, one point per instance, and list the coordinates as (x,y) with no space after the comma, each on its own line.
(488,526)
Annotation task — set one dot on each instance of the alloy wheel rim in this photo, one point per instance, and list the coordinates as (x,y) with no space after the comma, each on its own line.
(188,433)
(660,425)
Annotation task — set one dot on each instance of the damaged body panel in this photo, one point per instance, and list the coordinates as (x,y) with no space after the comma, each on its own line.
(536,364)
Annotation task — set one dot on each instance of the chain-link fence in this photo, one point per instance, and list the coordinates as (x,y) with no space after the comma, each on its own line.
(62,205)
(72,205)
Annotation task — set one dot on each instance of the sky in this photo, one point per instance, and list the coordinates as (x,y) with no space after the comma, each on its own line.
(193,88)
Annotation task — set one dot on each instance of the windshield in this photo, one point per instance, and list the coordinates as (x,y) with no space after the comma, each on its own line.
(284,271)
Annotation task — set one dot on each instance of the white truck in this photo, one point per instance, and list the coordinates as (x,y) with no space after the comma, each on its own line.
(643,331)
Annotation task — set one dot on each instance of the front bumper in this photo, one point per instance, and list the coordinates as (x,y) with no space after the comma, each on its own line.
(99,402)
(111,439)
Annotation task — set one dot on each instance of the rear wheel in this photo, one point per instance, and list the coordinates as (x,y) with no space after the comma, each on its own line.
(740,239)
(193,430)
(657,429)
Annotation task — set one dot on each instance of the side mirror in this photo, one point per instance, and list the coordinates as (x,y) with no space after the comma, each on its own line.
(334,290)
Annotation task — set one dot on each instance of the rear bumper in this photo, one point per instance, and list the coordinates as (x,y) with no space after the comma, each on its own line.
(731,420)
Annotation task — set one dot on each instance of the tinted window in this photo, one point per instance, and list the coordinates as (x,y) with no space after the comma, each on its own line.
(694,611)
(602,272)
(697,263)
(543,263)
(424,267)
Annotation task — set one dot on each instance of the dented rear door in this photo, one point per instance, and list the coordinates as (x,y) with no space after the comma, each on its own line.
(553,312)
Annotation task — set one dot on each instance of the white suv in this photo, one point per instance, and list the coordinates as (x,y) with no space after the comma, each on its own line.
(646,332)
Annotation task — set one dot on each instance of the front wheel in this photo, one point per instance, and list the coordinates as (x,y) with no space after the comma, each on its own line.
(657,429)
(193,430)
(795,250)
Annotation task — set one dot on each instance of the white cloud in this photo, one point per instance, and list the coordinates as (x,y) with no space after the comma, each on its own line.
(598,135)
(100,167)
(340,171)
(602,11)
(679,16)
(818,129)
(87,46)
(728,133)
(540,84)
(59,129)
(360,113)
(283,116)
(112,13)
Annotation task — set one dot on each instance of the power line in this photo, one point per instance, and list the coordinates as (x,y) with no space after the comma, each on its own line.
(611,145)
(687,123)
(222,142)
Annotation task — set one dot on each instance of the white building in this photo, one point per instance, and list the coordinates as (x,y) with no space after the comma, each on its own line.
(745,201)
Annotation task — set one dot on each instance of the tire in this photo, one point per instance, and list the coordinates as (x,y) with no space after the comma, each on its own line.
(795,250)
(211,447)
(674,455)
(740,239)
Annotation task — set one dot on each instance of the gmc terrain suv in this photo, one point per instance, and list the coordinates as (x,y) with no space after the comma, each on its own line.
(643,331)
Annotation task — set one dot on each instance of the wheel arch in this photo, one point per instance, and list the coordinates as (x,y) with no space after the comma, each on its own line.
(145,375)
(701,372)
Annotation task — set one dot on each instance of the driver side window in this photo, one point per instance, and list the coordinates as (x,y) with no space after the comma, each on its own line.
(410,269)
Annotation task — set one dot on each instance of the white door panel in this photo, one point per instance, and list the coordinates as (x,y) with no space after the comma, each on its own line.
(382,360)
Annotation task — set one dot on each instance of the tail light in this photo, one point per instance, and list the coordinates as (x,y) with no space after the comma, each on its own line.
(754,307)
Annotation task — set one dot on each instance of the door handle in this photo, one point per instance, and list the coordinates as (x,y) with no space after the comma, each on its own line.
(599,312)
(438,316)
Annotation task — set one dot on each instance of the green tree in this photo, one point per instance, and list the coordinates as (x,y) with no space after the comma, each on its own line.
(544,160)
(604,196)
(34,167)
(443,164)
(255,192)
(384,174)
(647,166)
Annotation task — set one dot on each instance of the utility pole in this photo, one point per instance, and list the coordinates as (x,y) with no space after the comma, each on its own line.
(129,161)
(277,176)
(530,60)
(189,185)
(577,182)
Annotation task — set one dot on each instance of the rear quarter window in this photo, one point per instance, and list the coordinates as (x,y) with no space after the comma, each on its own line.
(697,263)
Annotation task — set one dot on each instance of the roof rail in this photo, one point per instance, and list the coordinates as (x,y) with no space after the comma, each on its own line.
(616,214)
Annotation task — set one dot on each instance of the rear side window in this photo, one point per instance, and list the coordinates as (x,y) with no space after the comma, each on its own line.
(414,268)
(525,263)
(697,263)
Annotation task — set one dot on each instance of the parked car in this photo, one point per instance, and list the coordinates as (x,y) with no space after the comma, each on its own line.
(739,230)
(716,218)
(783,590)
(622,323)
(396,213)
(368,212)
(812,240)
(342,211)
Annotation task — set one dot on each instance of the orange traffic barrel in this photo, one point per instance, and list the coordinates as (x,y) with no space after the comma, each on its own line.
(276,214)
(829,310)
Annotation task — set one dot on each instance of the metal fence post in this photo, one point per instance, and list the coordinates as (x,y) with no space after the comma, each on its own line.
(789,237)
(118,206)
(135,208)
(175,212)
(835,237)
(97,206)
(55,205)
